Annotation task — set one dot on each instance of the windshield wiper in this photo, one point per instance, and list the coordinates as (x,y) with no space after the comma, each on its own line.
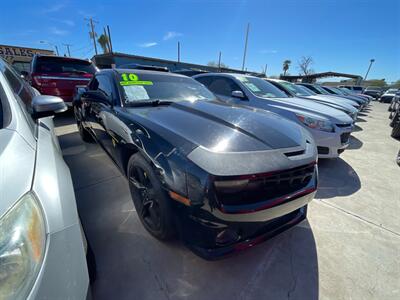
(154,102)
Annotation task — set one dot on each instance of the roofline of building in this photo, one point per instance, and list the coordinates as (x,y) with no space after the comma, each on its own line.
(160,60)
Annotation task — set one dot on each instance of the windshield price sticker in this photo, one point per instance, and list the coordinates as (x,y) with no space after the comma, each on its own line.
(133,79)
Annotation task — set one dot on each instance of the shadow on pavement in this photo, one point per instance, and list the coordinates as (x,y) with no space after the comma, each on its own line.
(354,143)
(357,128)
(336,178)
(360,120)
(132,264)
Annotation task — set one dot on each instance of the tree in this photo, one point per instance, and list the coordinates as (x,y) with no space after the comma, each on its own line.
(286,65)
(215,64)
(396,84)
(103,41)
(305,65)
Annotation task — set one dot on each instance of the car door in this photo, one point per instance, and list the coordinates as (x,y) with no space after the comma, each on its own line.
(99,113)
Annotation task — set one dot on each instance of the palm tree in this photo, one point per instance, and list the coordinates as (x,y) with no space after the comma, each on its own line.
(286,65)
(103,41)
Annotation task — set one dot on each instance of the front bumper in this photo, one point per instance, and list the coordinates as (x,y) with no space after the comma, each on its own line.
(212,233)
(331,144)
(63,274)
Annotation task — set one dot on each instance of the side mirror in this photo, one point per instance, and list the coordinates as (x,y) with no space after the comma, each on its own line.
(24,74)
(238,94)
(45,106)
(96,96)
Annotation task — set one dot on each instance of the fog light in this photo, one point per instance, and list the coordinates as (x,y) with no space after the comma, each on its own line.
(226,236)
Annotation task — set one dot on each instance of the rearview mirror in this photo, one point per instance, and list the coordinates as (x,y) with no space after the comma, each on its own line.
(45,106)
(238,94)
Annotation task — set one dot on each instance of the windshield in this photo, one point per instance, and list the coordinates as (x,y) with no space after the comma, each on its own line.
(151,87)
(260,87)
(63,65)
(297,90)
(320,89)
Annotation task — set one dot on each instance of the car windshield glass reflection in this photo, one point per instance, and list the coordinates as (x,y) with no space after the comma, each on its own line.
(260,87)
(150,87)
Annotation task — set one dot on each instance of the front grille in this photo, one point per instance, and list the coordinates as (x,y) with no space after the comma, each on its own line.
(322,150)
(344,137)
(344,125)
(264,187)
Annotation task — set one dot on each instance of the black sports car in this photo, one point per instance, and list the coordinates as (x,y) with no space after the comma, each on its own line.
(222,177)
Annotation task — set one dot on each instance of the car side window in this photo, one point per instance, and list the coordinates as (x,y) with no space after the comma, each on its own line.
(224,86)
(104,85)
(23,93)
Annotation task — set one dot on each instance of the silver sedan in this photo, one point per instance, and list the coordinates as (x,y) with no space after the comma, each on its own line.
(42,249)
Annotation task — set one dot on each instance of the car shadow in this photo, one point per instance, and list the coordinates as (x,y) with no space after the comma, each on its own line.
(133,264)
(361,120)
(336,178)
(357,128)
(354,143)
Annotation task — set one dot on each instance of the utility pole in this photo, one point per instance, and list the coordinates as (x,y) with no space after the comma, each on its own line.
(179,51)
(69,52)
(265,70)
(369,68)
(55,46)
(93,34)
(219,61)
(245,46)
(109,38)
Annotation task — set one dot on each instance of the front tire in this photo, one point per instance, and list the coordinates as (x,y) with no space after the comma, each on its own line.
(396,126)
(83,132)
(150,199)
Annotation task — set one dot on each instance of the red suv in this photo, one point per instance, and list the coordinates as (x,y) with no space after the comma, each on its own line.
(58,76)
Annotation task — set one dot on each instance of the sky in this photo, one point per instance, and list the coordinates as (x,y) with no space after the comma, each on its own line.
(341,35)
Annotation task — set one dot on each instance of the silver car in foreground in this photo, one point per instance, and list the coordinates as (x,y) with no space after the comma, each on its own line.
(330,128)
(42,252)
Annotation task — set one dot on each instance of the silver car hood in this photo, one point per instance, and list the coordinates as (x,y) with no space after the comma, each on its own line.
(17,160)
(333,99)
(334,115)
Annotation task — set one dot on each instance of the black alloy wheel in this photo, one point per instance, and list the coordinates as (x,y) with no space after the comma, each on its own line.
(150,199)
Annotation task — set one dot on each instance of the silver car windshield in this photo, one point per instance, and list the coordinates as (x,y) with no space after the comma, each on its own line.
(260,87)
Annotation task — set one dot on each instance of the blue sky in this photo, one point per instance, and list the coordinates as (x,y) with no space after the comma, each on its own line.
(341,35)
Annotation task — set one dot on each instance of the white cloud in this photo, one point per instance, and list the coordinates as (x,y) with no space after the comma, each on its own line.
(148,45)
(171,34)
(57,31)
(54,8)
(68,22)
(265,51)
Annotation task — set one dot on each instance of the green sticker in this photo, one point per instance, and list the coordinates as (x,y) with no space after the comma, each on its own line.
(133,79)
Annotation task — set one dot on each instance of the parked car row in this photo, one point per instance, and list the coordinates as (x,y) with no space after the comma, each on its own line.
(394,116)
(222,161)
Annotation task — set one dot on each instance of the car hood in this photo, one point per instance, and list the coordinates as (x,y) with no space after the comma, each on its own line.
(16,157)
(219,127)
(317,109)
(335,99)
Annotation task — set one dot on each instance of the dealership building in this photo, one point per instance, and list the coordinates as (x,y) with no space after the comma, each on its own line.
(20,57)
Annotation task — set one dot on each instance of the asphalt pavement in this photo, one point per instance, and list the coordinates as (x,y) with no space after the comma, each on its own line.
(349,248)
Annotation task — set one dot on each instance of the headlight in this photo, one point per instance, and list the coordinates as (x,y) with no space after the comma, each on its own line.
(22,246)
(315,123)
